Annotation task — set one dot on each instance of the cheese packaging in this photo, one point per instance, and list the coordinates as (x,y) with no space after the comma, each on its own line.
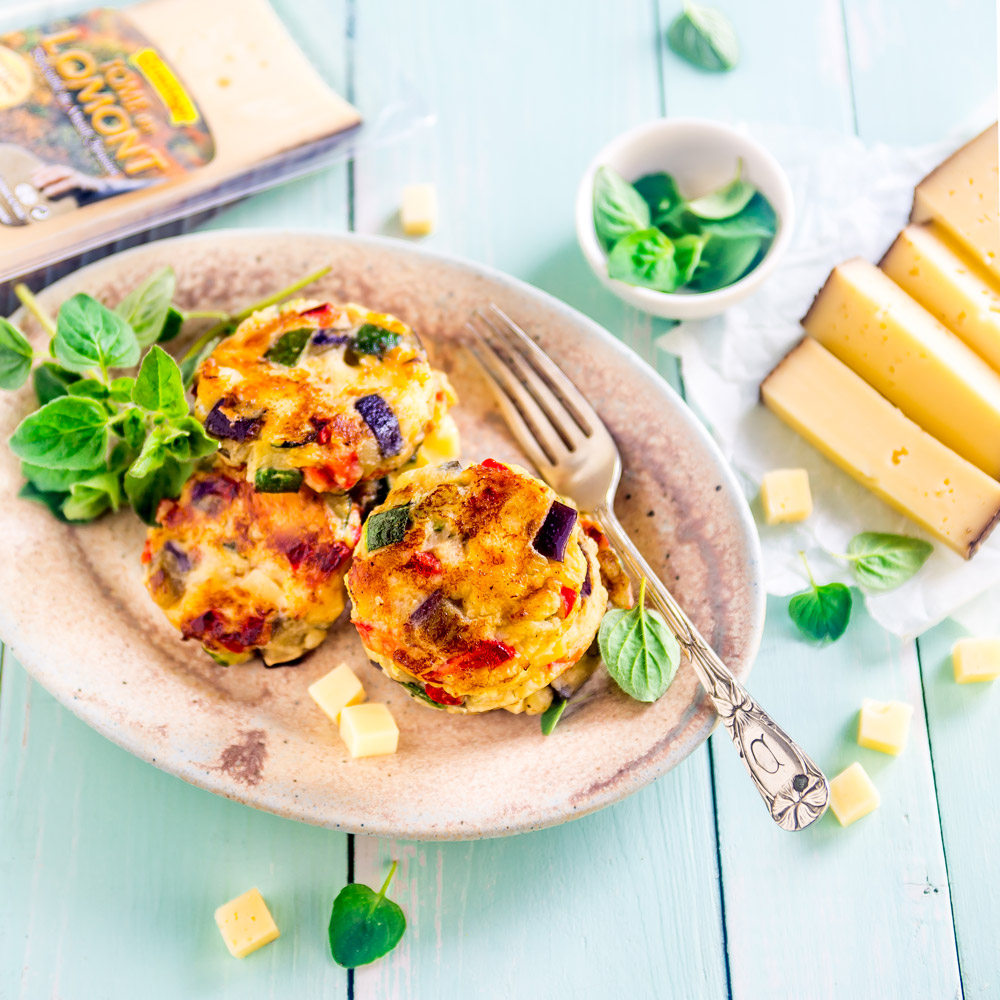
(962,197)
(930,267)
(869,438)
(866,320)
(113,121)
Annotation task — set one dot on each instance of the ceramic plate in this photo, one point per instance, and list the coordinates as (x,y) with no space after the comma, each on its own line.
(75,613)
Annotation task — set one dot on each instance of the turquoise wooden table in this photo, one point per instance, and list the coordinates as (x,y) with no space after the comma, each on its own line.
(110,870)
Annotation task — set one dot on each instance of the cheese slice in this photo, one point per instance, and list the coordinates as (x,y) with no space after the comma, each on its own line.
(869,438)
(962,196)
(927,265)
(865,319)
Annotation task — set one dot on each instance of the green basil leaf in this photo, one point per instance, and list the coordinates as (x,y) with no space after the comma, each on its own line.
(56,480)
(92,388)
(724,260)
(757,219)
(661,194)
(121,389)
(882,561)
(822,612)
(154,482)
(89,335)
(618,208)
(53,501)
(727,201)
(640,652)
(147,306)
(171,325)
(376,340)
(152,455)
(278,480)
(51,381)
(704,37)
(71,432)
(131,426)
(190,366)
(159,387)
(687,255)
(420,694)
(645,259)
(91,497)
(15,356)
(364,925)
(552,715)
(288,348)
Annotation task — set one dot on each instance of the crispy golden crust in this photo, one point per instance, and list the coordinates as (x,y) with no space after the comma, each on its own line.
(244,572)
(464,606)
(355,404)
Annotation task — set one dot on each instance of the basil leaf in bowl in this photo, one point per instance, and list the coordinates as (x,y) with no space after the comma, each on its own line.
(618,208)
(645,258)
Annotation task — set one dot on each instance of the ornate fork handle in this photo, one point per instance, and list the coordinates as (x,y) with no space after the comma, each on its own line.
(793,787)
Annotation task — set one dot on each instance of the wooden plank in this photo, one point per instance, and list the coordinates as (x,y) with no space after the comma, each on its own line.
(831,912)
(112,870)
(525,96)
(966,747)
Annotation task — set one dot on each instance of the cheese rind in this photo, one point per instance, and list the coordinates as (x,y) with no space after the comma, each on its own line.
(927,265)
(369,730)
(864,318)
(852,795)
(961,196)
(862,432)
(418,213)
(246,923)
(976,659)
(785,496)
(336,690)
(884,725)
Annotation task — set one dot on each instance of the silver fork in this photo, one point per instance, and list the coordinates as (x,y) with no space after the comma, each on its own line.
(576,455)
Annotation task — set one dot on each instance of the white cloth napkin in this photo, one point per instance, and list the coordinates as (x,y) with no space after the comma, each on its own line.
(851,199)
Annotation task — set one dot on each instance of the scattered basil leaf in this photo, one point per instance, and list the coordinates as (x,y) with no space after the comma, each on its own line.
(552,715)
(882,561)
(89,336)
(158,482)
(724,260)
(91,497)
(704,37)
(147,306)
(375,340)
(646,259)
(71,432)
(288,348)
(387,527)
(726,201)
(51,381)
(619,209)
(364,925)
(158,386)
(639,650)
(53,501)
(822,611)
(277,480)
(15,356)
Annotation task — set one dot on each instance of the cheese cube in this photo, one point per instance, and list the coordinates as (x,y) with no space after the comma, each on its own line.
(419,211)
(368,730)
(246,924)
(976,659)
(884,725)
(852,795)
(336,690)
(786,496)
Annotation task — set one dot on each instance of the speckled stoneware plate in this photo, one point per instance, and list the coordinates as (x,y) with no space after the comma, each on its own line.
(75,613)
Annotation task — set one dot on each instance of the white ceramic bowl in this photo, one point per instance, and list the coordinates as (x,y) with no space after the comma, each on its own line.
(701,155)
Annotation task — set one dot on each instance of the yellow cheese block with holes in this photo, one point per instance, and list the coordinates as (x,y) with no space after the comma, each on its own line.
(418,213)
(961,196)
(884,725)
(785,496)
(976,659)
(246,923)
(865,319)
(369,730)
(336,690)
(927,265)
(869,438)
(852,795)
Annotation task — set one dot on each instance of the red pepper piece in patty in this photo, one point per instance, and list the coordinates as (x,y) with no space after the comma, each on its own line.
(568,597)
(425,563)
(492,463)
(486,654)
(441,696)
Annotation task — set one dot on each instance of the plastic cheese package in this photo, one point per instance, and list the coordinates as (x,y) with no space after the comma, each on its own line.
(116,121)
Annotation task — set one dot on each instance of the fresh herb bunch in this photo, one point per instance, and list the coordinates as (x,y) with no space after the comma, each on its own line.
(101,438)
(364,925)
(704,37)
(656,238)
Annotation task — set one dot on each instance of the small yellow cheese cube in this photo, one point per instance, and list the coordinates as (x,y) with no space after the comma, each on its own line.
(884,725)
(786,496)
(246,924)
(419,211)
(976,659)
(368,730)
(852,794)
(335,691)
